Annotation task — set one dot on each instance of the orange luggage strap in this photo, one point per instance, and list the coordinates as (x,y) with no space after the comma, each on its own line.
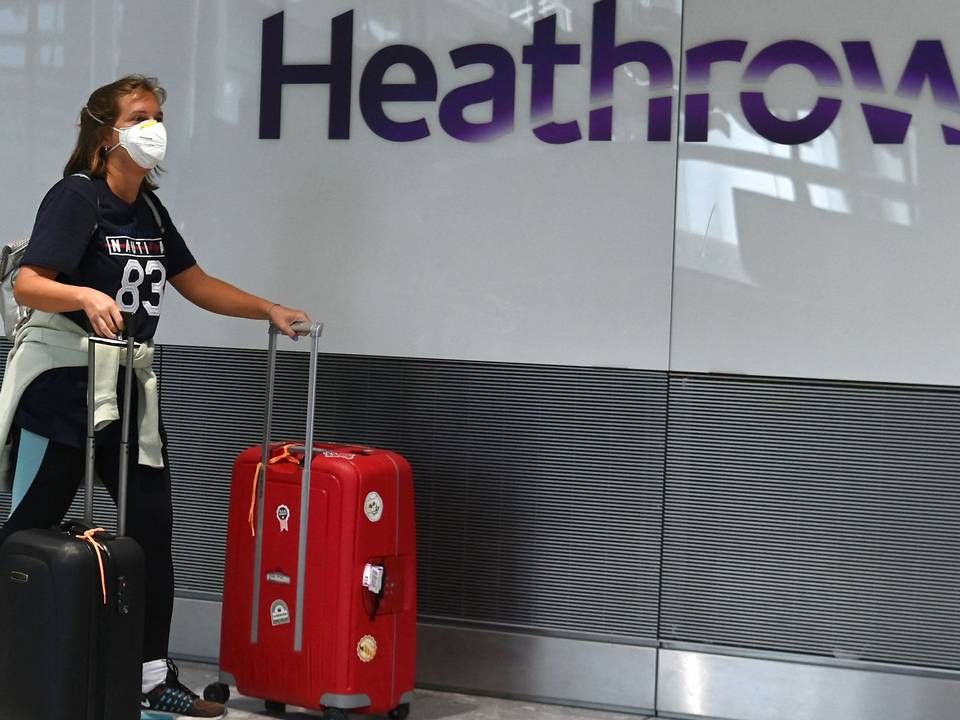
(286,455)
(88,536)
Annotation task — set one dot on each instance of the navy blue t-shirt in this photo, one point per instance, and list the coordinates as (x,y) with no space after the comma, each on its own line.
(92,238)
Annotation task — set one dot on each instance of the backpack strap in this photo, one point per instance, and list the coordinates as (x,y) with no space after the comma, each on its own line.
(147,197)
(151,203)
(87,177)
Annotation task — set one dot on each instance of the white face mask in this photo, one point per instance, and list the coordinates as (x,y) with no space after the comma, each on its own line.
(145,143)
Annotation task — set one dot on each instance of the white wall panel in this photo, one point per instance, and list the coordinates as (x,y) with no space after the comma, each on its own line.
(836,258)
(832,258)
(508,250)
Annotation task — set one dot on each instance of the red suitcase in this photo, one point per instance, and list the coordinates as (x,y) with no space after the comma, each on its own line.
(319,602)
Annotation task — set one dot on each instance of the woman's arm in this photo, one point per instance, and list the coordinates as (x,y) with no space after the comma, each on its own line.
(36,287)
(223,298)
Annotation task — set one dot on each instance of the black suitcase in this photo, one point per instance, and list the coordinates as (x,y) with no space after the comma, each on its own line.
(71,609)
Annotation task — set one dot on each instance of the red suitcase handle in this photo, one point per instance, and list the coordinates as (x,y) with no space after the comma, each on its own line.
(314,330)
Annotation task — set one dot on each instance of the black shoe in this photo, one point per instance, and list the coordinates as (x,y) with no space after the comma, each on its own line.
(173,699)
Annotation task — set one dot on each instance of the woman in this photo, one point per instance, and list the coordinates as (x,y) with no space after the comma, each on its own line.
(102,244)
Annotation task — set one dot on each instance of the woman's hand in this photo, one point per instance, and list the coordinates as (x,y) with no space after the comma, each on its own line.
(284,317)
(102,311)
(37,288)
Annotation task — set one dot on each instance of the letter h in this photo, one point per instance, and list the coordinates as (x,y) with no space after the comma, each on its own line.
(607,56)
(274,74)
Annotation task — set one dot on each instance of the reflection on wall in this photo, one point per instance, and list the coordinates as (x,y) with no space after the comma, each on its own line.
(826,258)
(879,182)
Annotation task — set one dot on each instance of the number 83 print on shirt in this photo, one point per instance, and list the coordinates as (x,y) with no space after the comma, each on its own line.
(93,238)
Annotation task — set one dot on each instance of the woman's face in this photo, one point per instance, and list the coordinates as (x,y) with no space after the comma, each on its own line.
(134,108)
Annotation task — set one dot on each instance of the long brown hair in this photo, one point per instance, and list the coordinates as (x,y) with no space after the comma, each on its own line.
(97,120)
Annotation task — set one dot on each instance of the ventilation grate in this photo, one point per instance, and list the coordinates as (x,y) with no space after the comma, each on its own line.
(814,517)
(538,488)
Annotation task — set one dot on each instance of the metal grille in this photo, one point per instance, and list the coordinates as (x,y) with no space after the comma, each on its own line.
(538,488)
(804,516)
(814,517)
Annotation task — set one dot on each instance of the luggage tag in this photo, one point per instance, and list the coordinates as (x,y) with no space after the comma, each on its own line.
(373,578)
(288,456)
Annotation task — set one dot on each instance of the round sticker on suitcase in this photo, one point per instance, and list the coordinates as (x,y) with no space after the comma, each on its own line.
(283,515)
(367,648)
(373,507)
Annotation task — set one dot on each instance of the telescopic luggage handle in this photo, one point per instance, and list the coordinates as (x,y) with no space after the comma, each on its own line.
(92,341)
(313,330)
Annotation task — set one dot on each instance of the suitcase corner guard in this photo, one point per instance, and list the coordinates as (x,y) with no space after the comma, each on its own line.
(345,702)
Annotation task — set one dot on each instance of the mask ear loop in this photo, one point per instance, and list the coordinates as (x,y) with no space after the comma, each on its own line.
(93,116)
(109,150)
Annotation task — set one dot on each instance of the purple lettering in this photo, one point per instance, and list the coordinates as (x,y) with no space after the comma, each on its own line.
(863,65)
(793,52)
(699,61)
(499,89)
(607,56)
(928,64)
(374,92)
(886,126)
(543,56)
(928,61)
(274,74)
(768,61)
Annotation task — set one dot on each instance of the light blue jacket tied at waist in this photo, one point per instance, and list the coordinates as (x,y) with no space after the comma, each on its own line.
(50,340)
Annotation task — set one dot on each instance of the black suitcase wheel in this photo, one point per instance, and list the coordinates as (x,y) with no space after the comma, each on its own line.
(334,714)
(217,692)
(275,707)
(400,712)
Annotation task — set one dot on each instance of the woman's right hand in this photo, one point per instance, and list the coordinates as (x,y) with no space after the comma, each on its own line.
(102,312)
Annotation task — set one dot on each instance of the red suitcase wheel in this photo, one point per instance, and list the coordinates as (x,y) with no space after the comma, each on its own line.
(400,712)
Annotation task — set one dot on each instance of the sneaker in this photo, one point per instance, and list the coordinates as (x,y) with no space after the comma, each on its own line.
(172,699)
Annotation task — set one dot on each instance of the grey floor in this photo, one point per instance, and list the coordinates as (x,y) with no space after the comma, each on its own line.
(427,705)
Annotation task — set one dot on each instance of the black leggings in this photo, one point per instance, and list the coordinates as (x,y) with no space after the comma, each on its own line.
(149,519)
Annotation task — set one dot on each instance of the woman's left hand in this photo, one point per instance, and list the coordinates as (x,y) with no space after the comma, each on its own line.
(284,317)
